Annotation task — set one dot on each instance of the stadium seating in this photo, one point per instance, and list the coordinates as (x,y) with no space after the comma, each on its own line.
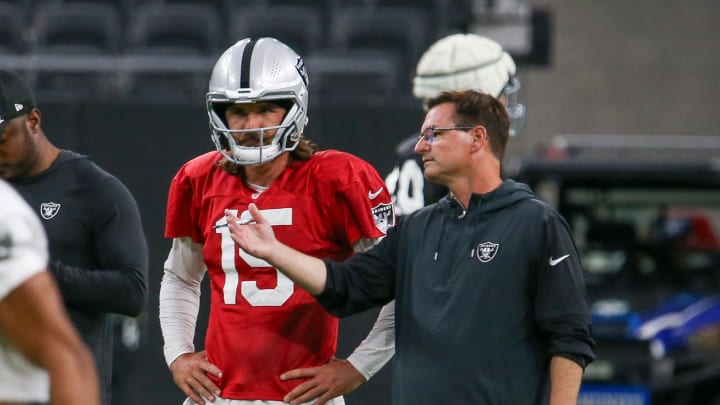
(366,76)
(12,39)
(66,39)
(75,28)
(156,47)
(401,30)
(175,29)
(299,27)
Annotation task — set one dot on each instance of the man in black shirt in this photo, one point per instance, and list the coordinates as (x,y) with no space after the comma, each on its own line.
(98,252)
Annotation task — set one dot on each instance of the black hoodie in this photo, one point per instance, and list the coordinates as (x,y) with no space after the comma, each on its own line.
(484,298)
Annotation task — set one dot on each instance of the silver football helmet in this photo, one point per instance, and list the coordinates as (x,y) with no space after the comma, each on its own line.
(254,70)
(470,61)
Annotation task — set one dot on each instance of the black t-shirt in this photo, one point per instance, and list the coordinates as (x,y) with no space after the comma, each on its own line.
(98,252)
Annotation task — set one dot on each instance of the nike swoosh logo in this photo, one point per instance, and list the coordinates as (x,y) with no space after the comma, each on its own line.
(374,195)
(554,262)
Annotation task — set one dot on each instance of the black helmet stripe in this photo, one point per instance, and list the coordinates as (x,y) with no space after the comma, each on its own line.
(245,64)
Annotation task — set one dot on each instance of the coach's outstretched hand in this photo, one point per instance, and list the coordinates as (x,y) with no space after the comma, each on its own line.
(255,236)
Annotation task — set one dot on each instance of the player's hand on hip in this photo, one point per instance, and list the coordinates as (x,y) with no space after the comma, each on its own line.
(190,371)
(324,383)
(255,236)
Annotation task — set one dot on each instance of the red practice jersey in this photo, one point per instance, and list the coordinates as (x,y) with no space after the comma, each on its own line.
(261,324)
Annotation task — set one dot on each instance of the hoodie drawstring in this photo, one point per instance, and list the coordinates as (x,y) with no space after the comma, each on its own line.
(443,225)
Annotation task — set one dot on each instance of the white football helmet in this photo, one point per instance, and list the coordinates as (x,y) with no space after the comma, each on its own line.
(470,61)
(250,71)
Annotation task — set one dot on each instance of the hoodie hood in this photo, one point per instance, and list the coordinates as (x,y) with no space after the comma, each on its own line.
(507,194)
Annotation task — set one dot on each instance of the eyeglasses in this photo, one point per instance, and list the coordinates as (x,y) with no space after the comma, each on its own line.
(429,134)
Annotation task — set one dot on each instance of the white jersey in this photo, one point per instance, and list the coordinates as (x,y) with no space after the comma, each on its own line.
(23,253)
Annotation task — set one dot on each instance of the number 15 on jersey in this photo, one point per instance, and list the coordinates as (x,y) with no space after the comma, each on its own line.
(257,297)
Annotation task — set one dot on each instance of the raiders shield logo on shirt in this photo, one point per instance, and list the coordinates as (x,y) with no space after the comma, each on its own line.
(49,209)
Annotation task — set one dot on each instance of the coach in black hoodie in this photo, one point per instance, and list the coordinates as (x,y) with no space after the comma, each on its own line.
(489,292)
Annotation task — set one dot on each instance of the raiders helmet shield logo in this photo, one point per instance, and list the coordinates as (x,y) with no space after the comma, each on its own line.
(486,251)
(300,66)
(49,209)
(384,216)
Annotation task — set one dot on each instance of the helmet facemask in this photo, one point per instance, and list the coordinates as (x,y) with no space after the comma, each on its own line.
(285,139)
(515,110)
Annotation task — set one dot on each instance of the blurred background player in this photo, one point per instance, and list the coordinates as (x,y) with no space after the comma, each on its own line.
(455,62)
(324,203)
(98,253)
(37,340)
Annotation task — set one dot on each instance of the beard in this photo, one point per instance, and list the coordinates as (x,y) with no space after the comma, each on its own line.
(24,162)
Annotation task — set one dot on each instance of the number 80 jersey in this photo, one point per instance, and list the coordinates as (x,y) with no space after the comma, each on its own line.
(260,323)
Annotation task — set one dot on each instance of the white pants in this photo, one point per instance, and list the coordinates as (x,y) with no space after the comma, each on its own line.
(222,401)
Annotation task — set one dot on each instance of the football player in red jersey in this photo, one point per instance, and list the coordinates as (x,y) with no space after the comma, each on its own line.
(324,203)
